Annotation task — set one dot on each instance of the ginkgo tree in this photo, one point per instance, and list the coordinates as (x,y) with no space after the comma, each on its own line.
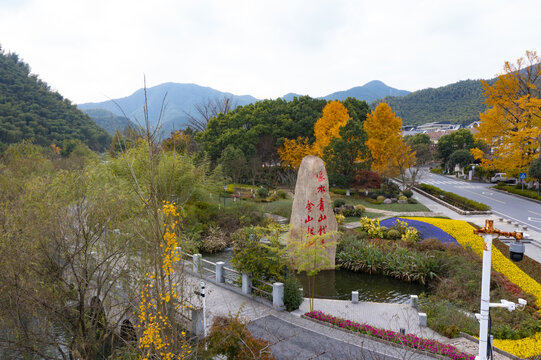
(511,126)
(335,116)
(390,155)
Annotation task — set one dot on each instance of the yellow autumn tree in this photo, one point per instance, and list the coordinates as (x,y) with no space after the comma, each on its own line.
(293,151)
(511,126)
(327,127)
(390,155)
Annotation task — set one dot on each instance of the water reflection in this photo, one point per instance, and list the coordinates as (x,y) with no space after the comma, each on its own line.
(339,284)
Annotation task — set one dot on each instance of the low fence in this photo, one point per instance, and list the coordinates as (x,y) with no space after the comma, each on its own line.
(219,274)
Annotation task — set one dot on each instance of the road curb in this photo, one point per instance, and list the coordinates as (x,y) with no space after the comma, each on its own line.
(449,206)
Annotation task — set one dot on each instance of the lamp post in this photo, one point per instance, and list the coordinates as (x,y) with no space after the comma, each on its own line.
(489,234)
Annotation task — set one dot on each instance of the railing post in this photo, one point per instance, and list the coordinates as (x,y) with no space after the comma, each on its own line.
(355,297)
(414,299)
(197,263)
(220,278)
(246,284)
(278,295)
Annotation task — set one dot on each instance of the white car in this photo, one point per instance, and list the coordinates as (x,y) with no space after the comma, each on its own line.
(502,177)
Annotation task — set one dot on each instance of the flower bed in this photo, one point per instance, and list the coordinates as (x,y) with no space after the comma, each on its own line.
(425,229)
(409,340)
(463,233)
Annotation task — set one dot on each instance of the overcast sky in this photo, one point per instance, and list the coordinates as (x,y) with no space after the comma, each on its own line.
(92,50)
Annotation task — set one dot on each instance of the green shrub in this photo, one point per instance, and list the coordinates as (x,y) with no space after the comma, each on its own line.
(446,318)
(292,293)
(338,191)
(262,192)
(437,171)
(250,256)
(351,212)
(338,203)
(407,193)
(281,194)
(380,198)
(393,234)
(403,198)
(214,241)
(360,208)
(412,201)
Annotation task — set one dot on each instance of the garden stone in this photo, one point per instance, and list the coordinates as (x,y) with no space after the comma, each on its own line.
(402,201)
(312,213)
(394,200)
(387,201)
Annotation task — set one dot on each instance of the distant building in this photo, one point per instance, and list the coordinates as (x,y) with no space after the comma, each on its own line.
(437,126)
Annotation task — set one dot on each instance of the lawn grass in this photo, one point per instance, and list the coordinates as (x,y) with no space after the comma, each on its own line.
(368,214)
(280,207)
(396,207)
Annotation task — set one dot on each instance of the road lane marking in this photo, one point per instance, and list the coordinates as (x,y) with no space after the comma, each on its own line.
(534,219)
(501,202)
(533,212)
(517,220)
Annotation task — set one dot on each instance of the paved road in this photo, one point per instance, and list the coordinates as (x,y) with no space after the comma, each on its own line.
(523,211)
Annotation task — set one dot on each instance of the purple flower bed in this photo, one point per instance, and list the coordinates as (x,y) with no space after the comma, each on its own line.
(409,340)
(426,230)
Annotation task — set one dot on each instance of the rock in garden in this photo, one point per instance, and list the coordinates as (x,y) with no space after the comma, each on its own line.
(312,217)
(387,201)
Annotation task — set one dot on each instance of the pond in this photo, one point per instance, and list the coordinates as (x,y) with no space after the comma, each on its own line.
(338,284)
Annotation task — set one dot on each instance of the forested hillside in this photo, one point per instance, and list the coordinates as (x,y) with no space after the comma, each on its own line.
(458,103)
(29,109)
(109,121)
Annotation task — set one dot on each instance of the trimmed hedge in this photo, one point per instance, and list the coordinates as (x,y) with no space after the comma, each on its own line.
(532,194)
(454,199)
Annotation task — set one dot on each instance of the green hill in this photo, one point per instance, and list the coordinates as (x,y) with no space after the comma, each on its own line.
(458,103)
(29,109)
(109,121)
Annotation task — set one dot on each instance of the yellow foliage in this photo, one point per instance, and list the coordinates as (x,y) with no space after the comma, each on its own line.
(385,141)
(512,124)
(293,151)
(157,338)
(327,127)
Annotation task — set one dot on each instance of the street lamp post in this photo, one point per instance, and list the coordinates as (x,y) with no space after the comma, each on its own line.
(489,234)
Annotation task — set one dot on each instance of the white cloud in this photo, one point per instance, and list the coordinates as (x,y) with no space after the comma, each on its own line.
(91,50)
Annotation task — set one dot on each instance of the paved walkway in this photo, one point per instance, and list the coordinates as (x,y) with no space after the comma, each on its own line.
(223,301)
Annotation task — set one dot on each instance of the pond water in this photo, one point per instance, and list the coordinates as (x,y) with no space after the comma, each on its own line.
(338,284)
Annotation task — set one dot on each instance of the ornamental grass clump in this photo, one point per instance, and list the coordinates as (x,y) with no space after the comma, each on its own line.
(409,340)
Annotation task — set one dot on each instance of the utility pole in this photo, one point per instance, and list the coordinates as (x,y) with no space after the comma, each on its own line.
(489,234)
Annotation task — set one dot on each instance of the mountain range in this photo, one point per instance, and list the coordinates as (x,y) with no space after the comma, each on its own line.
(180,101)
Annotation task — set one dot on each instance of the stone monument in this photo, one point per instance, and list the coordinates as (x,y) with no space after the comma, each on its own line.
(312,214)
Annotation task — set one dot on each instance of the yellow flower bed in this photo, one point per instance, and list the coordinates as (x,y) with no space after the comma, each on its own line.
(463,233)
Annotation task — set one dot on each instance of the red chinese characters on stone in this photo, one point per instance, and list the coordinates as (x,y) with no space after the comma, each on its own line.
(322,229)
(308,219)
(322,217)
(320,176)
(309,206)
(321,189)
(310,231)
(321,205)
